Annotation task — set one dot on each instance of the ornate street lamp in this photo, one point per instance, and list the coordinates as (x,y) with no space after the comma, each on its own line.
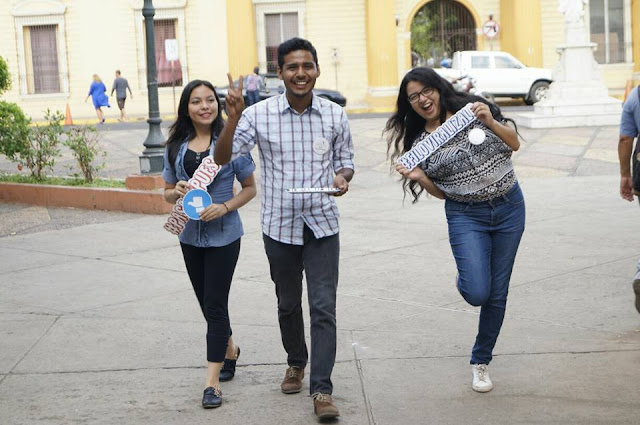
(151,158)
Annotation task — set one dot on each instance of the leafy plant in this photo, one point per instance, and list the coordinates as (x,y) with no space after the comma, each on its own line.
(426,27)
(41,149)
(14,131)
(14,125)
(5,76)
(34,147)
(83,142)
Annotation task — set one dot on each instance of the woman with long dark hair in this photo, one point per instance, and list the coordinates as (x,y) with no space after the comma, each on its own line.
(211,245)
(483,201)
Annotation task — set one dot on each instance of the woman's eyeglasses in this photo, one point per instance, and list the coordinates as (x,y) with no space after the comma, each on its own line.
(427,91)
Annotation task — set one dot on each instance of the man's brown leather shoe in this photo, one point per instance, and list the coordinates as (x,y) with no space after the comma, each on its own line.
(323,406)
(292,382)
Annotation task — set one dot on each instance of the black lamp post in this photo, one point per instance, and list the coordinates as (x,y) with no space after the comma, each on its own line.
(151,158)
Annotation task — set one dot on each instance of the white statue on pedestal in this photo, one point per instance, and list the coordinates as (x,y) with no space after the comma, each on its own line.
(572,9)
(578,96)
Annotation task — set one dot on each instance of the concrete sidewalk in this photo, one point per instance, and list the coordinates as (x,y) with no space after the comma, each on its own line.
(99,324)
(584,151)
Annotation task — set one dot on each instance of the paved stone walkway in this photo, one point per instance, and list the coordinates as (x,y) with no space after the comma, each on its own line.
(99,325)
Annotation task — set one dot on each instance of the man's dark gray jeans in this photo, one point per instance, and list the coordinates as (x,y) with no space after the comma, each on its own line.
(319,259)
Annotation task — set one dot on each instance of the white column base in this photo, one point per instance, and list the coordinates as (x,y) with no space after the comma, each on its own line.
(578,96)
(596,118)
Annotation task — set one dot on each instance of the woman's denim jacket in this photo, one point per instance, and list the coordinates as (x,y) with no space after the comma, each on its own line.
(226,229)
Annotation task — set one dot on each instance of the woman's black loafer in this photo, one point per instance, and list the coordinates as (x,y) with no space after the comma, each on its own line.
(228,370)
(211,398)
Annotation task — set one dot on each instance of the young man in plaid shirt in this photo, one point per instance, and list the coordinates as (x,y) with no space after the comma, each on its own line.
(304,141)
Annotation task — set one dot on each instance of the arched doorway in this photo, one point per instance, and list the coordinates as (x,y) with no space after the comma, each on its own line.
(440,28)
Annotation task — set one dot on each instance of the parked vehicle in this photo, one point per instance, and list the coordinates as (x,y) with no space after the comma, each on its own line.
(275,86)
(498,74)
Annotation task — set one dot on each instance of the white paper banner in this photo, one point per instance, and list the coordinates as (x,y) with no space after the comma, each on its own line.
(430,143)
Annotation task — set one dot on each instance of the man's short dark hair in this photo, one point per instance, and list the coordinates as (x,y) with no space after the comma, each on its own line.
(294,44)
(118,71)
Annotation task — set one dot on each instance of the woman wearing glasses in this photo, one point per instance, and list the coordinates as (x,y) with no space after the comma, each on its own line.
(483,201)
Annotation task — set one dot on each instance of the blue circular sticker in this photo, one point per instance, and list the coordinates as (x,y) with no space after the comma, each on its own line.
(194,202)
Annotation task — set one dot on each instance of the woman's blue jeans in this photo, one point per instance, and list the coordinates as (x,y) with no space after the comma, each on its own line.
(484,238)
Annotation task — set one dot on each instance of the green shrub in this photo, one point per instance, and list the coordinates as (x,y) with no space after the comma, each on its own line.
(38,148)
(33,147)
(43,144)
(83,142)
(5,77)
(14,125)
(14,131)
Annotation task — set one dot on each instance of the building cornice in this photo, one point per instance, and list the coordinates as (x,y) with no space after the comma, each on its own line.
(159,4)
(38,8)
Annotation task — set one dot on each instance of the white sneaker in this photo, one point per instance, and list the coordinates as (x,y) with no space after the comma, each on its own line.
(481,381)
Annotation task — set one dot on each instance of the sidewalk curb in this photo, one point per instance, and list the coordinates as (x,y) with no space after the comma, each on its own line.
(92,198)
(93,122)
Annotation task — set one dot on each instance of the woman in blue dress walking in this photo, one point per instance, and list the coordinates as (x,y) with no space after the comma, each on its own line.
(97,93)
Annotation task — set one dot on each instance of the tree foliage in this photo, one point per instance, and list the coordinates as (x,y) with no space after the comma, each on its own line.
(422,34)
(5,77)
(14,130)
(428,29)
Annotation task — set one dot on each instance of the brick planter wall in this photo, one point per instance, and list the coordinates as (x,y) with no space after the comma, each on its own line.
(136,201)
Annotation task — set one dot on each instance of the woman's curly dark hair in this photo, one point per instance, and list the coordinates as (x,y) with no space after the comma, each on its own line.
(405,125)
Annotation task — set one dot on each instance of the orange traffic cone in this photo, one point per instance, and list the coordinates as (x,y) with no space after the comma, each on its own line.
(67,116)
(627,90)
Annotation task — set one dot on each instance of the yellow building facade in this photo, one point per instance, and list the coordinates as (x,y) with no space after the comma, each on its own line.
(53,47)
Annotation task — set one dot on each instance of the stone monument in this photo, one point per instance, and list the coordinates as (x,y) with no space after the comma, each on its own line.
(578,96)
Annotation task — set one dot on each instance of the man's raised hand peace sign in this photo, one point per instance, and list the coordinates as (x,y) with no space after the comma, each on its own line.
(234,100)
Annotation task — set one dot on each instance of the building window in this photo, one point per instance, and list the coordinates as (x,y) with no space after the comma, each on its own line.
(480,61)
(505,62)
(278,28)
(41,59)
(608,24)
(41,45)
(168,73)
(168,23)
(277,21)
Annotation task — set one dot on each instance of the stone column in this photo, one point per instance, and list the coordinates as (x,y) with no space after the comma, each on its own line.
(241,37)
(522,30)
